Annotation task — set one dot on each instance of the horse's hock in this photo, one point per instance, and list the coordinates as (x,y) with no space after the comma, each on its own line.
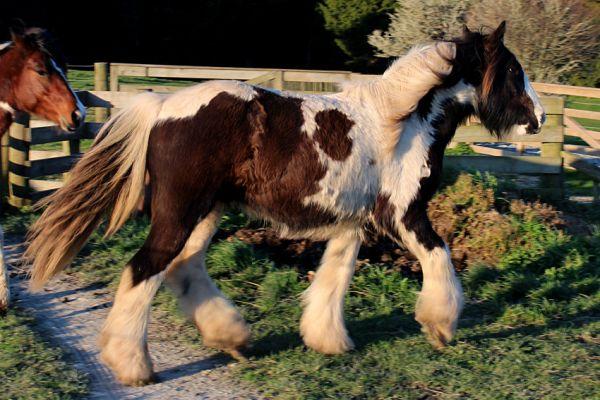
(30,174)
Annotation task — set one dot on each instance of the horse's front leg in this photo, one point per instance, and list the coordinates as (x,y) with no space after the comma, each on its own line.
(441,298)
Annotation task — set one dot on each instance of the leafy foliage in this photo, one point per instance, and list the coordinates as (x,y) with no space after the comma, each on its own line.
(418,21)
(351,20)
(555,40)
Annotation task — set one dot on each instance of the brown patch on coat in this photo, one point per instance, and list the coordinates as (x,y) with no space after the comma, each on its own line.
(332,134)
(284,167)
(252,153)
(384,215)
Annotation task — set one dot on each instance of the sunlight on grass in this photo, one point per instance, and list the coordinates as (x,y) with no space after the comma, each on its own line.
(30,368)
(530,328)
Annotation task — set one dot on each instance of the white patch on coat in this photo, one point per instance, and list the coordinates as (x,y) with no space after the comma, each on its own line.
(349,186)
(402,175)
(186,102)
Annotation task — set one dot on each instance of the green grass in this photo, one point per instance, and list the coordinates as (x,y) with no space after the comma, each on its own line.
(585,103)
(530,329)
(29,367)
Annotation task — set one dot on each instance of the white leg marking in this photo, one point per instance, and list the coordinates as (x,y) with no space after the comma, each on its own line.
(322,324)
(123,338)
(441,299)
(219,322)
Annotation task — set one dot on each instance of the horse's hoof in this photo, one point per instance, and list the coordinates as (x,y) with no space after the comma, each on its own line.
(329,344)
(231,337)
(437,335)
(129,362)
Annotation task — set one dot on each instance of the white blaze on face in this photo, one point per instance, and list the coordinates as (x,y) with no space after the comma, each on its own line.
(5,45)
(537,104)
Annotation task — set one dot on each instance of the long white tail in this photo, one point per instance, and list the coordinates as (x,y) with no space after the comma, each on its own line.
(108,180)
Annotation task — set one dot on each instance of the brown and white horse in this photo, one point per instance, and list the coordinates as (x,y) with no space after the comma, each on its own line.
(32,80)
(322,167)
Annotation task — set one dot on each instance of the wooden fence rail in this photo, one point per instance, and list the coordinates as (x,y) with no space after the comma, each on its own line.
(21,175)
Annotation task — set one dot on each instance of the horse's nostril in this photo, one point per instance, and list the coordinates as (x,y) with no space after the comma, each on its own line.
(543,119)
(77,118)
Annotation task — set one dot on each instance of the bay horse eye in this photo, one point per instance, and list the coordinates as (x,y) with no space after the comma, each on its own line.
(41,71)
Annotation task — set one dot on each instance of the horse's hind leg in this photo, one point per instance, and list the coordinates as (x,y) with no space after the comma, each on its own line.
(123,338)
(219,322)
(322,324)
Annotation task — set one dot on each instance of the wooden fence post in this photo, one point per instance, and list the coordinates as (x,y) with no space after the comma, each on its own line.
(19,164)
(278,80)
(101,84)
(553,181)
(114,78)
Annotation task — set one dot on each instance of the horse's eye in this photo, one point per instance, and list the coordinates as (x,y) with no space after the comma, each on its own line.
(511,70)
(41,71)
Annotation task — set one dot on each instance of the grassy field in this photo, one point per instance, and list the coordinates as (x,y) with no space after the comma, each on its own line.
(29,367)
(530,329)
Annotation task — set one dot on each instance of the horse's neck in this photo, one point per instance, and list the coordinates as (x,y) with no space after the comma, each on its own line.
(442,110)
(6,118)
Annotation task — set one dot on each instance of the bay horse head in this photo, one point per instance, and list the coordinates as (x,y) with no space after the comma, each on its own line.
(505,101)
(33,80)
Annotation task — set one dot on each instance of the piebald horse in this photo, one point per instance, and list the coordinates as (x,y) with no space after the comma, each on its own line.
(320,167)
(32,80)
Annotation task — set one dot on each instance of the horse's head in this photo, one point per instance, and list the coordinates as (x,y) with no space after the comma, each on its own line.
(504,100)
(35,80)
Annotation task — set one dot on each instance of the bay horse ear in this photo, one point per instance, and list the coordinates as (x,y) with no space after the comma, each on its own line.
(17,30)
(498,35)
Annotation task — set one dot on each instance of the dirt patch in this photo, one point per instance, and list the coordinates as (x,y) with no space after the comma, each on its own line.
(70,314)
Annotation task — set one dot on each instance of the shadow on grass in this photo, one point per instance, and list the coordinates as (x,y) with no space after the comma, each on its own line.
(495,290)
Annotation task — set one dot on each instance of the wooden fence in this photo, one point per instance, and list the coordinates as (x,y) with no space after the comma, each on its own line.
(27,166)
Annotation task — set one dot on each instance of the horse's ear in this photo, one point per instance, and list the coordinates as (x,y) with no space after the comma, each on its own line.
(498,35)
(465,31)
(17,30)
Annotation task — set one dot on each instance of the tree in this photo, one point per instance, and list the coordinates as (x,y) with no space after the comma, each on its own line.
(417,21)
(553,39)
(351,20)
